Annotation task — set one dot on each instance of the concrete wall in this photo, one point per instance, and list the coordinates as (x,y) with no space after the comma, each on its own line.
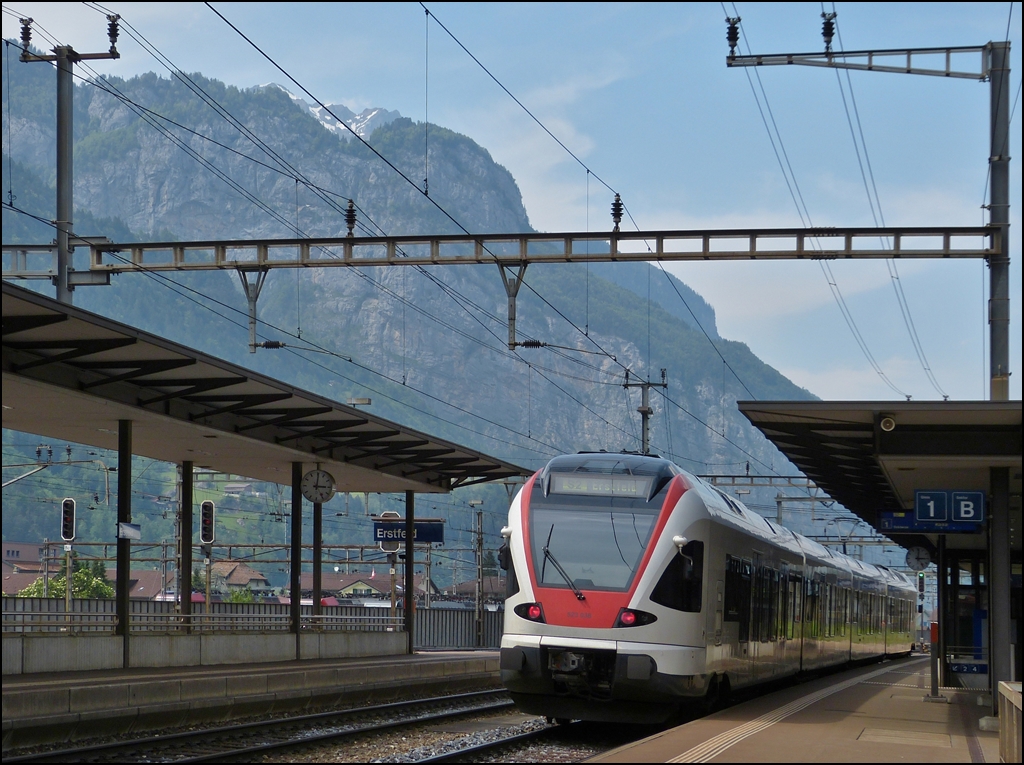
(30,653)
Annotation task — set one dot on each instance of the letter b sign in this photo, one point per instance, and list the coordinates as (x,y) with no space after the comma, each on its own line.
(968,506)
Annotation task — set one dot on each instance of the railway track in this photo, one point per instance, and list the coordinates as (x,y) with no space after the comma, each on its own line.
(484,751)
(568,742)
(248,740)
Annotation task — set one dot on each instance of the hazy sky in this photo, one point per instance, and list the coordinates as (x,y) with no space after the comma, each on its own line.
(641,94)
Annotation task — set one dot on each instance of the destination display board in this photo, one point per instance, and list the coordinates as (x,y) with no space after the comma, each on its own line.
(604,486)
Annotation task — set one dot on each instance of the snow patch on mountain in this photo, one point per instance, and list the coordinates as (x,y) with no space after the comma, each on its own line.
(335,117)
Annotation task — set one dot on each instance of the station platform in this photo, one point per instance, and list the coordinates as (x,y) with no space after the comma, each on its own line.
(70,706)
(875,713)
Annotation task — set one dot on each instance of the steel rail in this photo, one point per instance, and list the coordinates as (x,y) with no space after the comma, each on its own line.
(216,738)
(488,747)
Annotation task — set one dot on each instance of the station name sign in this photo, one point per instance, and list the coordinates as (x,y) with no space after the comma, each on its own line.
(393,530)
(939,512)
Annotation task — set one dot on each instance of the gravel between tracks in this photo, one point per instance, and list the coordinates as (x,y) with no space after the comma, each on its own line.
(412,744)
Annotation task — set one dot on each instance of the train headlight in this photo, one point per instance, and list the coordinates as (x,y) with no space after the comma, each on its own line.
(630,617)
(531,611)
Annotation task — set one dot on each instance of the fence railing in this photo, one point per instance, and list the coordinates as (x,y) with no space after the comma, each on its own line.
(435,627)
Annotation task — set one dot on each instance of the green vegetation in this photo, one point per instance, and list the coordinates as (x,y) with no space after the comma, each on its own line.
(87,581)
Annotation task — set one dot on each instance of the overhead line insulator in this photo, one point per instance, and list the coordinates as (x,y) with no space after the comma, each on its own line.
(733,35)
(350,217)
(617,208)
(828,29)
(112,33)
(26,35)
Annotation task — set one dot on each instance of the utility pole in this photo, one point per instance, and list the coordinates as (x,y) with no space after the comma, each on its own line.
(426,588)
(479,577)
(65,56)
(46,567)
(645,408)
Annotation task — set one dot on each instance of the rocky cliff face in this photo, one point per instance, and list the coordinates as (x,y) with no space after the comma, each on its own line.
(427,344)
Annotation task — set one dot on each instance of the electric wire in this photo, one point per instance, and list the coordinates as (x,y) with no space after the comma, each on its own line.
(803,212)
(107,87)
(547,302)
(589,173)
(876,203)
(292,172)
(177,287)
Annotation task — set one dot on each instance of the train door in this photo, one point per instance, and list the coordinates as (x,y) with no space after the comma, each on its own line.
(738,576)
(719,606)
(796,621)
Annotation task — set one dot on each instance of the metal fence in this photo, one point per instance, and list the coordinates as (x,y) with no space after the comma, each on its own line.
(435,627)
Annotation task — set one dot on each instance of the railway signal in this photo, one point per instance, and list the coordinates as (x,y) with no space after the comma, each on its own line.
(67,519)
(206,522)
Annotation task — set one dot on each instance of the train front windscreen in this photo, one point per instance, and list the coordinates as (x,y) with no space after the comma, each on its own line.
(595,530)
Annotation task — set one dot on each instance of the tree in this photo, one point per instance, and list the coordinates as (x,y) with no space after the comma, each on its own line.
(490,563)
(241,596)
(84,584)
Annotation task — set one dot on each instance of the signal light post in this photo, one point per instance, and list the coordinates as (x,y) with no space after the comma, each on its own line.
(207,534)
(67,533)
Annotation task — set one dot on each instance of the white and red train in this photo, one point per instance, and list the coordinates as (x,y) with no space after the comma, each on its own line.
(635,587)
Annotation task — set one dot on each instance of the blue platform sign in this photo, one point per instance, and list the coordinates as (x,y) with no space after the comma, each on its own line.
(955,506)
(967,506)
(424,532)
(907,523)
(939,512)
(931,506)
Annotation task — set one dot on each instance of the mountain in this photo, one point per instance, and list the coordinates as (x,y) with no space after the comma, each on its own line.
(428,345)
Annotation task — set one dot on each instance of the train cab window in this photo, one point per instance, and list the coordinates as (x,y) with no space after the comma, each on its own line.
(681,586)
(505,561)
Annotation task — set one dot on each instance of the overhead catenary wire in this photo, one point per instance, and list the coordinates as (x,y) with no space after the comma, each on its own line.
(177,288)
(589,172)
(105,85)
(270,152)
(802,211)
(875,203)
(553,306)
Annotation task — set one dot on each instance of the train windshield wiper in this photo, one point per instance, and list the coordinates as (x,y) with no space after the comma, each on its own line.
(548,555)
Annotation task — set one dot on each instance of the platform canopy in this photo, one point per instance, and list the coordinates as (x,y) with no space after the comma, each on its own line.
(871,456)
(71,375)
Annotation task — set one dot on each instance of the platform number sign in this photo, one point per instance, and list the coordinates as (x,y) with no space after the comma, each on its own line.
(931,506)
(949,506)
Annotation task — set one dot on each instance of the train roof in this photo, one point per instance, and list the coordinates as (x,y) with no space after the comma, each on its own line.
(732,511)
(721,506)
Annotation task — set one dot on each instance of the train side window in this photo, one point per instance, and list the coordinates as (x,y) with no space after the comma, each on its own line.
(737,594)
(682,585)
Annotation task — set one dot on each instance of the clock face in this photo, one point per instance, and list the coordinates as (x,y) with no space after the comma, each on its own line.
(918,558)
(317,486)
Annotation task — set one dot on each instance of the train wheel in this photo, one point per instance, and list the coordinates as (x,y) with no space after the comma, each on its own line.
(717,695)
(710,702)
